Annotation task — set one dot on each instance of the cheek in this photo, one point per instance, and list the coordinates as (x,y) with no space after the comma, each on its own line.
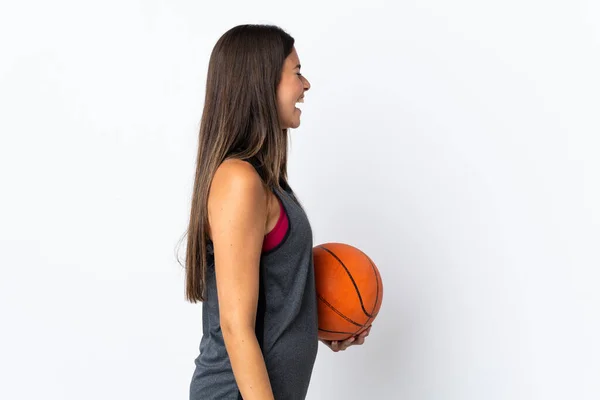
(285,105)
(282,100)
(289,92)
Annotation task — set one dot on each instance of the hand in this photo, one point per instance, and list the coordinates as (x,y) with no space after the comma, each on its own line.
(336,345)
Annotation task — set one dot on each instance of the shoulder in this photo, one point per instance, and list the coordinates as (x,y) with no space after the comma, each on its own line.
(237,175)
(237,189)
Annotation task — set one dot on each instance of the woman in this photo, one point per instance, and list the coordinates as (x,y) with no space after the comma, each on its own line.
(249,250)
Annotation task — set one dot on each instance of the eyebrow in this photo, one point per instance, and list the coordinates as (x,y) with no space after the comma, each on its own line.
(298,66)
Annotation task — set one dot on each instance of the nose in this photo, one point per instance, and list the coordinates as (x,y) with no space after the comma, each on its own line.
(307,85)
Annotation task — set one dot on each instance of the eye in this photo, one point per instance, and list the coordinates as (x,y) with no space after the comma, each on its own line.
(299,74)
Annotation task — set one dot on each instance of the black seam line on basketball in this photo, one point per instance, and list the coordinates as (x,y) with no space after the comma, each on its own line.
(376,283)
(351,278)
(371,318)
(376,294)
(325,330)
(337,311)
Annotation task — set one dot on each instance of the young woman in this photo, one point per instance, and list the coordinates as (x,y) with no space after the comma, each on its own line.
(249,246)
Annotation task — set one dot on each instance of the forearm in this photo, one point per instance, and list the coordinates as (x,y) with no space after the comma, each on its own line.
(248,364)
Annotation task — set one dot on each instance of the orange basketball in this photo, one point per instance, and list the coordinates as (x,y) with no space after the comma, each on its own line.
(349,290)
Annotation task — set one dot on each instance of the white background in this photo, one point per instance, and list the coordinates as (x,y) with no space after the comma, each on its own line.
(456,143)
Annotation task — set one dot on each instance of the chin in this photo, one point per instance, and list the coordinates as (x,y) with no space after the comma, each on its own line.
(295,123)
(291,125)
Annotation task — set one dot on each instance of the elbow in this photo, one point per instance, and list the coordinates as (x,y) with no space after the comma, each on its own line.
(232,328)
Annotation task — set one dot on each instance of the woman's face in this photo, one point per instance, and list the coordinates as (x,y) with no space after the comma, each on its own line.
(291,91)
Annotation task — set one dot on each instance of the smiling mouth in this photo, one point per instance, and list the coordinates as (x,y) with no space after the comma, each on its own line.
(300,101)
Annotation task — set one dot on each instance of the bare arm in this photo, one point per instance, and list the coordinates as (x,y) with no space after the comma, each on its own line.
(237,208)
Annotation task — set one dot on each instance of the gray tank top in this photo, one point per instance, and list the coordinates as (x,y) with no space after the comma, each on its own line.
(286,321)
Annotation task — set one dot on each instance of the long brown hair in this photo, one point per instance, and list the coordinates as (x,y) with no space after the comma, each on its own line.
(239,120)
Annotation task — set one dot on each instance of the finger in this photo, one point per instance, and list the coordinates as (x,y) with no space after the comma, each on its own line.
(335,346)
(348,342)
(360,340)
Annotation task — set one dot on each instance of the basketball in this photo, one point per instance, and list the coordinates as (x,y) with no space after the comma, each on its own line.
(349,290)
